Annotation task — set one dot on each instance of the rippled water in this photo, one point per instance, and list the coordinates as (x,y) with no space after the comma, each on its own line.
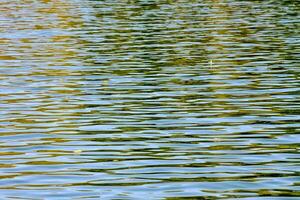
(145,99)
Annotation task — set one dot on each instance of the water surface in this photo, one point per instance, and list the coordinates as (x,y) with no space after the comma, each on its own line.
(149,99)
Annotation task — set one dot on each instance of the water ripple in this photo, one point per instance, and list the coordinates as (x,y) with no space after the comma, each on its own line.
(158,99)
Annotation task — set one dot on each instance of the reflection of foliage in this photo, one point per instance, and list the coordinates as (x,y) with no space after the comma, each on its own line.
(206,85)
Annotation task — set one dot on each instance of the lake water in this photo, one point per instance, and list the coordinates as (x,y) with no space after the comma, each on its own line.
(142,99)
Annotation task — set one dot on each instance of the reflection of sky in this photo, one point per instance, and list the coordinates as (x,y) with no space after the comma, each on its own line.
(33,34)
(132,88)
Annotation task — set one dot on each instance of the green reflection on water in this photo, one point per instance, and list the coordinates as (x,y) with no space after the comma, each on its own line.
(169,99)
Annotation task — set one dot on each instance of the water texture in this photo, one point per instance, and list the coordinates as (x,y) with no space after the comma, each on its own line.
(149,99)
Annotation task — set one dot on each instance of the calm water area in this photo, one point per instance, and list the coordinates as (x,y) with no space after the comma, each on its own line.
(144,99)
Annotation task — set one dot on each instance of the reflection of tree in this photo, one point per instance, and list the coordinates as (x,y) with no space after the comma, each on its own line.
(173,42)
(39,40)
(41,31)
(135,48)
